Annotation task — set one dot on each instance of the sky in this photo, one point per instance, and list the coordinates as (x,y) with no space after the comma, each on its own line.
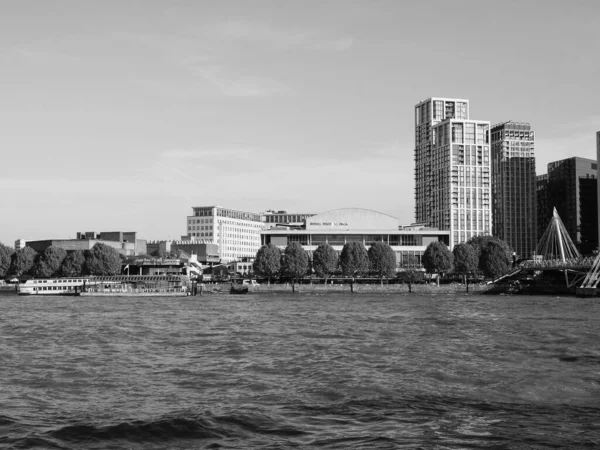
(123,114)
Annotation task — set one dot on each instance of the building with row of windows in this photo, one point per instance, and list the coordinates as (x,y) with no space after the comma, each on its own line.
(452,169)
(341,226)
(237,233)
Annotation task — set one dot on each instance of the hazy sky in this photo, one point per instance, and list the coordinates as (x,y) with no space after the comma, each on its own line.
(122,115)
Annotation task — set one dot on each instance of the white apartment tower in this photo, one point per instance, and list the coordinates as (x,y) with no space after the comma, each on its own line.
(236,232)
(452,169)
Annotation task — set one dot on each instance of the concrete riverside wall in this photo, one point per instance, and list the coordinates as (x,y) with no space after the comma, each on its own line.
(372,288)
(346,288)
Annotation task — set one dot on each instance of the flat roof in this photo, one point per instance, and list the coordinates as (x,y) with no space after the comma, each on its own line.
(350,232)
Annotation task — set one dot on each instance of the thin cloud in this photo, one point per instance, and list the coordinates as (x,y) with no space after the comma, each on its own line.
(244,86)
(337,45)
(176,155)
(284,38)
(203,52)
(42,56)
(199,57)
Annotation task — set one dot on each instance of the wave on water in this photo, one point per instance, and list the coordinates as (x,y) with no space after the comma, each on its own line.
(232,427)
(177,427)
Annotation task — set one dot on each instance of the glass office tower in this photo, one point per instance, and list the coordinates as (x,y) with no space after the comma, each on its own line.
(514,205)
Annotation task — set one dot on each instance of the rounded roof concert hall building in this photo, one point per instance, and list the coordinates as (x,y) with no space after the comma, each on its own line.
(339,226)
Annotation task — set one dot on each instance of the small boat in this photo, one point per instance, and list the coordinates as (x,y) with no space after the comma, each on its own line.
(238,289)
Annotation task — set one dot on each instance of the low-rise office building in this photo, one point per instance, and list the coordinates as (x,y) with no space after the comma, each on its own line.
(237,233)
(340,226)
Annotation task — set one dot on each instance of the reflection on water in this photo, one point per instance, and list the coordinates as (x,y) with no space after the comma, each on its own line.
(337,371)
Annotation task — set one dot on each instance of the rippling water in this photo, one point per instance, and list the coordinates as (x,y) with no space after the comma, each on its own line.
(300,371)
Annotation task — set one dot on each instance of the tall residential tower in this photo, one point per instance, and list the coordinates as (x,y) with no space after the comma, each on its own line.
(452,169)
(514,206)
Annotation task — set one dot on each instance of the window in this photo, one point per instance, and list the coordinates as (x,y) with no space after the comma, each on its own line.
(457,133)
(469,133)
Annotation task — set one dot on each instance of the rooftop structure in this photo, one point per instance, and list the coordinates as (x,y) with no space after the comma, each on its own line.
(272,217)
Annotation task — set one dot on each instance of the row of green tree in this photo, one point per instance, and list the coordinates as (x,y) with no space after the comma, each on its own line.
(54,262)
(481,254)
(487,255)
(354,260)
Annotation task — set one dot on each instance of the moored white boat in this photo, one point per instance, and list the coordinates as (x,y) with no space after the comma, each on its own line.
(52,286)
(139,286)
(112,286)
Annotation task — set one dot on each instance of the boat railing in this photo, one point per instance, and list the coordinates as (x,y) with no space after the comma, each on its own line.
(128,289)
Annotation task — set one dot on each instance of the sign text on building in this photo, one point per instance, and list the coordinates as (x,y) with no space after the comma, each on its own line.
(328,224)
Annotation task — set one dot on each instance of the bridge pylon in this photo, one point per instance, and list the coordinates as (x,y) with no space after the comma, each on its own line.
(556,243)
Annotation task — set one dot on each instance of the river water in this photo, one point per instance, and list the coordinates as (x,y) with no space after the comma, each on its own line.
(335,371)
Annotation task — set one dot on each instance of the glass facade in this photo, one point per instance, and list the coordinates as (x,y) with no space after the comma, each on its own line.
(514,189)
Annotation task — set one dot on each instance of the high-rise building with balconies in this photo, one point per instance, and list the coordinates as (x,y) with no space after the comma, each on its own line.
(452,169)
(514,206)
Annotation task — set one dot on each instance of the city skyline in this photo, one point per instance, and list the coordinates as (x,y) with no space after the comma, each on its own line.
(123,115)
